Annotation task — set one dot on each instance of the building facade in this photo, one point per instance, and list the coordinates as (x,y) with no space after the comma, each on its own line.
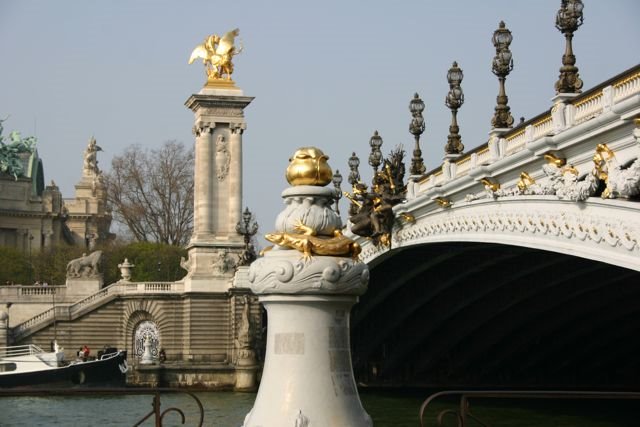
(34,216)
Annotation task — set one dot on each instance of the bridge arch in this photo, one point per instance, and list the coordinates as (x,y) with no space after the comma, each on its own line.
(517,263)
(597,229)
(485,314)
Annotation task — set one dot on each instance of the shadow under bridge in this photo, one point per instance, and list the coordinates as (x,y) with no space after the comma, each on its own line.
(492,315)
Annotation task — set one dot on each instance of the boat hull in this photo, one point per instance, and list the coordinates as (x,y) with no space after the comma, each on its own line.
(110,370)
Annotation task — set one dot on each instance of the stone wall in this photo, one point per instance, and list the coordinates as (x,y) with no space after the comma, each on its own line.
(197,332)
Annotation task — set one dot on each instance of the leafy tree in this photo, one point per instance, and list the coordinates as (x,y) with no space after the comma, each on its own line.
(15,266)
(153,262)
(151,192)
(50,264)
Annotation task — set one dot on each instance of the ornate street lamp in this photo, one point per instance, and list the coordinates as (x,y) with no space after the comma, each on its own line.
(247,227)
(454,100)
(354,178)
(568,19)
(337,180)
(375,158)
(501,67)
(354,174)
(416,128)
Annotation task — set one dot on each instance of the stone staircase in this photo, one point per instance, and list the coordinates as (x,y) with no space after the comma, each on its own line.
(88,304)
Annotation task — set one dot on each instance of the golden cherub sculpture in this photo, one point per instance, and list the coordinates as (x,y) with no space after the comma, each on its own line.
(217,53)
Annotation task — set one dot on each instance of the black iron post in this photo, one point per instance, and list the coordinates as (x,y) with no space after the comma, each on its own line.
(247,227)
(454,100)
(337,181)
(501,67)
(375,158)
(568,19)
(416,128)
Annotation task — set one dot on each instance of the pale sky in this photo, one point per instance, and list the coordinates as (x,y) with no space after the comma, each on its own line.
(325,73)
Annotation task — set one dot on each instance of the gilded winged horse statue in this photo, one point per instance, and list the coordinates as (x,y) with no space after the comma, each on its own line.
(217,54)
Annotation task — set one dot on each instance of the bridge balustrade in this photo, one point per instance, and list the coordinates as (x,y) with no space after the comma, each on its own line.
(579,110)
(507,192)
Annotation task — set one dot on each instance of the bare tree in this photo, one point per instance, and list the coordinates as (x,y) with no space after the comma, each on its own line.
(151,192)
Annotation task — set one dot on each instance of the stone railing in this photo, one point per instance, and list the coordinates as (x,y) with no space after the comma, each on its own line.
(42,318)
(579,110)
(542,127)
(15,293)
(153,287)
(95,299)
(514,142)
(69,312)
(483,156)
(626,87)
(588,108)
(39,290)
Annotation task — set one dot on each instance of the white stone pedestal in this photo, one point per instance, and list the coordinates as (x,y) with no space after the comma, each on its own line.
(78,287)
(308,379)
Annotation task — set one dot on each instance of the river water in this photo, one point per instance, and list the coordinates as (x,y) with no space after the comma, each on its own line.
(227,409)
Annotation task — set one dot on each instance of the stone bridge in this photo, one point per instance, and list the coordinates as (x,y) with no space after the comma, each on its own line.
(522,266)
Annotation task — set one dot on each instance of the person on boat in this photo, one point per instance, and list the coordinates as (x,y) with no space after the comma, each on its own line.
(85,353)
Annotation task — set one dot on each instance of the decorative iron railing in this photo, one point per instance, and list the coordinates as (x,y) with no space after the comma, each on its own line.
(464,417)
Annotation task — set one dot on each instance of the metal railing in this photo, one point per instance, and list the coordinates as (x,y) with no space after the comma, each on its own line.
(465,417)
(21,350)
(157,413)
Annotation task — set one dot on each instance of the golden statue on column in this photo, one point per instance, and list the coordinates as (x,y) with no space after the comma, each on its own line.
(217,55)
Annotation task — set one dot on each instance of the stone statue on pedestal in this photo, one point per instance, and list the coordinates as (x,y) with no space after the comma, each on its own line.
(90,164)
(86,266)
(244,342)
(217,53)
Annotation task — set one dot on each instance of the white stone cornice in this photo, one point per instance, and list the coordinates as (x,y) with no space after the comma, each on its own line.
(603,230)
(287,272)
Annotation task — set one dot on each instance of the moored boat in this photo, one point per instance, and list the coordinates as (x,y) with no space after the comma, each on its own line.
(29,365)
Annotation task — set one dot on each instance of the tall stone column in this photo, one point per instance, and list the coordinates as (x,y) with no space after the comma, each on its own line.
(215,245)
(235,180)
(308,284)
(203,211)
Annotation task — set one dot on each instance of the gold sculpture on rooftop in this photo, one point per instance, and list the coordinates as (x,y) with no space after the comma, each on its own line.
(217,55)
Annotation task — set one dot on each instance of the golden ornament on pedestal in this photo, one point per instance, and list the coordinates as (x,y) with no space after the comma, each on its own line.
(309,166)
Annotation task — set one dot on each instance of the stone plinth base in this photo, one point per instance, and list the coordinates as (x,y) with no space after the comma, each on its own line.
(184,375)
(210,267)
(246,378)
(82,287)
(307,378)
